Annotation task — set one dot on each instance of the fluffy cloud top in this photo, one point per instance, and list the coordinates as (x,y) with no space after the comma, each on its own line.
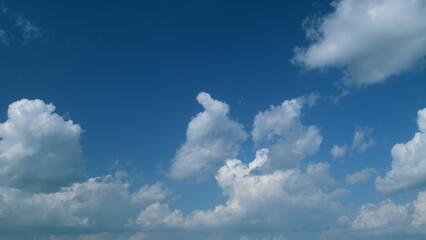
(408,162)
(211,138)
(39,150)
(379,217)
(281,130)
(283,197)
(96,205)
(370,39)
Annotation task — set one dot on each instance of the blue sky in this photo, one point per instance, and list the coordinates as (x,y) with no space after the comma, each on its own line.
(242,120)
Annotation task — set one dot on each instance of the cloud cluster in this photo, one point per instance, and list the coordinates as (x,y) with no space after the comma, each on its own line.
(42,188)
(283,197)
(281,130)
(370,40)
(211,138)
(408,162)
(39,150)
(361,141)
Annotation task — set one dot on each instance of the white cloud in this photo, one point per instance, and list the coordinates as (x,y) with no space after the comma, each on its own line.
(386,220)
(360,176)
(370,40)
(408,162)
(39,150)
(101,204)
(281,130)
(362,139)
(380,217)
(338,152)
(283,197)
(211,138)
(419,216)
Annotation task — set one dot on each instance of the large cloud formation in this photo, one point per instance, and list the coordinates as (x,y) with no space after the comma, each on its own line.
(42,189)
(211,138)
(280,129)
(408,162)
(39,150)
(370,40)
(281,198)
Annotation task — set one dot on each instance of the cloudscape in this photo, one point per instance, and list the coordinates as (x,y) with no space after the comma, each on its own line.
(203,120)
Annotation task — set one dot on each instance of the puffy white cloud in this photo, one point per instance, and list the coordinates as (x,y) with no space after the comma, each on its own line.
(382,216)
(370,40)
(419,216)
(39,150)
(283,197)
(362,139)
(386,220)
(281,130)
(408,162)
(338,152)
(211,138)
(360,176)
(101,204)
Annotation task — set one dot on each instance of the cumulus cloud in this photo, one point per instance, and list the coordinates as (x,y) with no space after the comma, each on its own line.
(385,215)
(100,204)
(39,150)
(360,176)
(370,40)
(281,130)
(338,152)
(408,162)
(283,197)
(211,138)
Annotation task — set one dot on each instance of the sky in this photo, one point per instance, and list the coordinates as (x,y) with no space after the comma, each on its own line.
(211,119)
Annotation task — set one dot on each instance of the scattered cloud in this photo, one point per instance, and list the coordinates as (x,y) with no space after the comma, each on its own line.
(211,138)
(18,23)
(370,40)
(338,152)
(281,130)
(408,162)
(29,30)
(360,176)
(362,139)
(39,150)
